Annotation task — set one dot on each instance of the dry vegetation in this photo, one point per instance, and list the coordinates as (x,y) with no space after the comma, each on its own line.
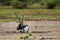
(8,14)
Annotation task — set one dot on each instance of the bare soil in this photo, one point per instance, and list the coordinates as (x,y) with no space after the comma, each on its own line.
(42,30)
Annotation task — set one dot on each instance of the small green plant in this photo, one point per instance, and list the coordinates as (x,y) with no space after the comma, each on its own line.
(30,34)
(24,37)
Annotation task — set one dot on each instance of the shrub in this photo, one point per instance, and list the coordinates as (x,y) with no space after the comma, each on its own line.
(51,4)
(19,5)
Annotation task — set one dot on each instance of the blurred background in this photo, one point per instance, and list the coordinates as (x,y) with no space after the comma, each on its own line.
(30,9)
(37,4)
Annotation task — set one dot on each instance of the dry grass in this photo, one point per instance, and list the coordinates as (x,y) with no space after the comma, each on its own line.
(30,13)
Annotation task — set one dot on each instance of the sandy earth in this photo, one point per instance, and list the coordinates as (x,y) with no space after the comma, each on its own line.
(52,29)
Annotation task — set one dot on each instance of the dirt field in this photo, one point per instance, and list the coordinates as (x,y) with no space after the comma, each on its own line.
(44,30)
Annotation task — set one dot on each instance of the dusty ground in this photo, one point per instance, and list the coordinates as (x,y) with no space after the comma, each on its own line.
(49,30)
